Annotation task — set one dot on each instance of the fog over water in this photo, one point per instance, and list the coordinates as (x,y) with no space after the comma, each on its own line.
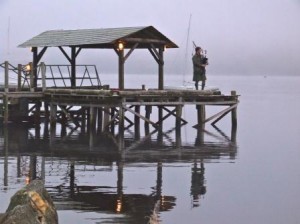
(242,37)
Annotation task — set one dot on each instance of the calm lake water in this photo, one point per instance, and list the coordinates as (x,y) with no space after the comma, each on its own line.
(215,176)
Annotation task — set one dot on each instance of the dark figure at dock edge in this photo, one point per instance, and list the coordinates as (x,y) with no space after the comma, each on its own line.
(199,63)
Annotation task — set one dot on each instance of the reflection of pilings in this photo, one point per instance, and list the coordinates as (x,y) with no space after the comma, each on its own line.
(43,168)
(197,183)
(159,180)
(120,167)
(119,202)
(32,170)
(5,157)
(72,178)
(18,166)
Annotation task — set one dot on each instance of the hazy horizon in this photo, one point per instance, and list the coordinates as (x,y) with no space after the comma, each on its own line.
(241,37)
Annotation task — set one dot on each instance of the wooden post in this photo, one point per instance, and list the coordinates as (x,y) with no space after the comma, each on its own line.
(53,111)
(121,127)
(37,114)
(160,127)
(178,125)
(178,115)
(19,77)
(161,69)
(137,123)
(73,67)
(234,111)
(92,130)
(121,69)
(43,71)
(200,137)
(6,89)
(32,79)
(5,108)
(93,118)
(200,114)
(46,108)
(32,171)
(148,109)
(112,124)
(6,77)
(33,69)
(233,133)
(106,118)
(100,119)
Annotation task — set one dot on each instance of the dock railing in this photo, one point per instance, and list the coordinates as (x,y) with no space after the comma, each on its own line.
(19,74)
(20,77)
(60,75)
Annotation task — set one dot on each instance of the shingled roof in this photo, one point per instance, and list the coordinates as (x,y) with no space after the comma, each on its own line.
(99,38)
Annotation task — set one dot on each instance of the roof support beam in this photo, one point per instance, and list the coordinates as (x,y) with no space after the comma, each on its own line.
(130,51)
(159,58)
(40,55)
(72,61)
(65,54)
(35,60)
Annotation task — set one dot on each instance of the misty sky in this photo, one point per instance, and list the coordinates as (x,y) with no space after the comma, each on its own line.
(244,37)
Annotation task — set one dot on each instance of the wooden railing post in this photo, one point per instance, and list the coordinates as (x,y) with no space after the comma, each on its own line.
(43,71)
(19,77)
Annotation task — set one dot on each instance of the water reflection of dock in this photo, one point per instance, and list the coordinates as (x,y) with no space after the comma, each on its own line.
(38,155)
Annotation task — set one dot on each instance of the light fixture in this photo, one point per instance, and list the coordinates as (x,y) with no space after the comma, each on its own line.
(120,46)
(119,206)
(27,67)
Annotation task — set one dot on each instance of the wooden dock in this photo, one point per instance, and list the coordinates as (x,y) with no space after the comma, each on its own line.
(103,109)
(77,96)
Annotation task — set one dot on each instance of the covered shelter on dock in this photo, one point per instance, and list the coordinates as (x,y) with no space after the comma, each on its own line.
(118,39)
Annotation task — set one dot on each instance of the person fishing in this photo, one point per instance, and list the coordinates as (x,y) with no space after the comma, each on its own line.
(199,64)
